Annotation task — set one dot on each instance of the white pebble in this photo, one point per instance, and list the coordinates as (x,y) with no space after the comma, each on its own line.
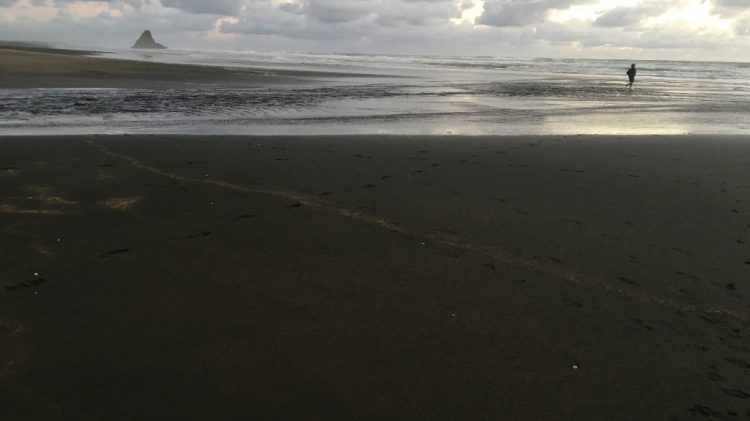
(575,367)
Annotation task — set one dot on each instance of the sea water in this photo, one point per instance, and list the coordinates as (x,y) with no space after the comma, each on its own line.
(404,95)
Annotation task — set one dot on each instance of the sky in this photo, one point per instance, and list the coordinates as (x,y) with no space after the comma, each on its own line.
(629,29)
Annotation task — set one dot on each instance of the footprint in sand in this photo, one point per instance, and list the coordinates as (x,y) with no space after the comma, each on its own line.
(704,411)
(626,281)
(736,393)
(572,221)
(25,284)
(199,235)
(687,275)
(738,363)
(114,252)
(642,324)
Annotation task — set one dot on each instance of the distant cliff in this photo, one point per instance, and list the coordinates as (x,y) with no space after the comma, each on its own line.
(147,41)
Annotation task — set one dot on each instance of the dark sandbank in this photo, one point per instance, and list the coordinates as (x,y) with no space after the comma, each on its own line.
(37,47)
(38,66)
(154,277)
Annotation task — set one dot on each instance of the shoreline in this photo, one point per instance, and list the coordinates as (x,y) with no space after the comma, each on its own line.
(504,277)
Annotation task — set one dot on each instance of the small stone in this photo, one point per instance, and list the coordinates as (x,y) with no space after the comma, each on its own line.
(574,367)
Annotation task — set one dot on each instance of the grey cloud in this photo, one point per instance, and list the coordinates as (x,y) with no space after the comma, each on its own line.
(613,37)
(508,13)
(292,7)
(621,16)
(342,18)
(339,10)
(503,13)
(216,7)
(731,3)
(742,28)
(263,18)
(417,13)
(730,8)
(117,4)
(631,16)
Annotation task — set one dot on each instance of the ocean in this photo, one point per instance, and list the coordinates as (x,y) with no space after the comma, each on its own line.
(407,95)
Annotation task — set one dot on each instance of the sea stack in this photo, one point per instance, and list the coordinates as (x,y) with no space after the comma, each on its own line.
(146,41)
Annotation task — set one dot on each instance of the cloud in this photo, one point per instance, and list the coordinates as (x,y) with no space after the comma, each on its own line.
(339,10)
(216,7)
(620,16)
(520,12)
(731,4)
(742,28)
(730,8)
(504,27)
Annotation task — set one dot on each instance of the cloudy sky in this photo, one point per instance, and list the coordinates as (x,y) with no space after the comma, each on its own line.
(637,29)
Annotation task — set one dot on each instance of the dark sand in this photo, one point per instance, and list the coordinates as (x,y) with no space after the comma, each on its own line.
(27,66)
(519,278)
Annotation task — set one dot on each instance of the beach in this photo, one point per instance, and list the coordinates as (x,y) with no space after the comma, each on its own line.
(154,266)
(351,277)
(23,67)
(243,93)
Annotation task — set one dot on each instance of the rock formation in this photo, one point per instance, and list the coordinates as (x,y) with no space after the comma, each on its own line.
(147,41)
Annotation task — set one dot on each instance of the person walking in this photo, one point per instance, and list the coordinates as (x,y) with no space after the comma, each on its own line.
(631,76)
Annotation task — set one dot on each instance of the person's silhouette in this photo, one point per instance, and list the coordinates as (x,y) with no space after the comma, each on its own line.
(631,75)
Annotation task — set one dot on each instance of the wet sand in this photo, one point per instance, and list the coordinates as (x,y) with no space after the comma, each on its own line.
(155,277)
(27,66)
